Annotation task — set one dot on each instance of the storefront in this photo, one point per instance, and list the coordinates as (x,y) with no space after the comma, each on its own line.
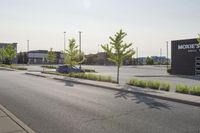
(185,57)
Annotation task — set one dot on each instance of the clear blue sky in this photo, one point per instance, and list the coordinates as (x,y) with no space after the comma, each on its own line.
(148,23)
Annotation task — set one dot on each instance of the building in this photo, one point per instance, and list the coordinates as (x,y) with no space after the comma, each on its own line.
(40,57)
(157,60)
(4,45)
(185,57)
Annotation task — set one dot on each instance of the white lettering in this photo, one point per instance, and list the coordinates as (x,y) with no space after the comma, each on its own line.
(188,46)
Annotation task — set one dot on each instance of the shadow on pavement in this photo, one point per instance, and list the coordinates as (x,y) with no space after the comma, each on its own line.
(139,99)
(69,83)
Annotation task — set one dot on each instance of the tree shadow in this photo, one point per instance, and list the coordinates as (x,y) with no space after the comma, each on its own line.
(142,99)
(68,82)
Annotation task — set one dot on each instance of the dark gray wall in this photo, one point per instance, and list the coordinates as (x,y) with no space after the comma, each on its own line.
(183,59)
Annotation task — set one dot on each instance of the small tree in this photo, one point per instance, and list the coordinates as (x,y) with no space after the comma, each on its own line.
(10,53)
(1,54)
(51,56)
(198,39)
(149,61)
(118,51)
(72,54)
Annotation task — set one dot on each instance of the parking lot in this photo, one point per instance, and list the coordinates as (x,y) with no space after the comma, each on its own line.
(158,73)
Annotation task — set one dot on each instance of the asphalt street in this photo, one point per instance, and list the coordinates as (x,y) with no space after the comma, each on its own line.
(49,106)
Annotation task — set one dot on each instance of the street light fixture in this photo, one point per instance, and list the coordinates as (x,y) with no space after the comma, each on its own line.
(28,51)
(64,42)
(167,55)
(80,46)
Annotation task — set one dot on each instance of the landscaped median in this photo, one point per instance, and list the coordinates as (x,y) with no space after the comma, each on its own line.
(156,85)
(193,90)
(48,66)
(89,76)
(13,67)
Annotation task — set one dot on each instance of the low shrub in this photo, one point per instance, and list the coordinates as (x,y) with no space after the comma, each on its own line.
(92,77)
(88,76)
(89,70)
(195,90)
(138,83)
(165,86)
(150,84)
(169,70)
(182,89)
(153,84)
(20,68)
(13,67)
(48,66)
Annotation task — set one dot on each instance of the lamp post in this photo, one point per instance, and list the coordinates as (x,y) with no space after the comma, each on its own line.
(137,55)
(167,54)
(160,56)
(80,46)
(28,51)
(64,42)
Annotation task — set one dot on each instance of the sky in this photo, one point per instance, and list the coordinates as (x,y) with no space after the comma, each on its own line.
(148,23)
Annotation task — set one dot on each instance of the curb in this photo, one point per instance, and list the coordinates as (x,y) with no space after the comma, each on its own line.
(124,90)
(37,75)
(6,69)
(16,120)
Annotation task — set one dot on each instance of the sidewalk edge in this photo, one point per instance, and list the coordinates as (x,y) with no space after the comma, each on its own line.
(16,120)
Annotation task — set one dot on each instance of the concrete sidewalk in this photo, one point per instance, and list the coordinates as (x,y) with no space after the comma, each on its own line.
(171,96)
(11,124)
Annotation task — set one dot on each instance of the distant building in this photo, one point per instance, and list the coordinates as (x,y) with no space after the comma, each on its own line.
(156,59)
(102,59)
(4,45)
(40,57)
(141,60)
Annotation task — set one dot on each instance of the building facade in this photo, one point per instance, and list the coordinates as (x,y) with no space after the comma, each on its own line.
(40,57)
(185,57)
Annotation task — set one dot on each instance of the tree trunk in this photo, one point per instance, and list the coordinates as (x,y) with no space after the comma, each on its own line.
(118,74)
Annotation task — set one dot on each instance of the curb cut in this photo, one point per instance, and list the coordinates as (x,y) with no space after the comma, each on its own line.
(124,90)
(16,120)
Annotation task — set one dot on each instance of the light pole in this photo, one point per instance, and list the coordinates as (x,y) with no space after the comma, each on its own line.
(137,55)
(64,42)
(160,56)
(167,54)
(80,46)
(28,51)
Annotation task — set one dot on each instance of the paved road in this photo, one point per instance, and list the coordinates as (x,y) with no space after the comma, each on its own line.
(49,106)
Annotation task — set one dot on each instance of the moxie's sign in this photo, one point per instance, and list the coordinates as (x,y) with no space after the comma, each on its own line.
(188,46)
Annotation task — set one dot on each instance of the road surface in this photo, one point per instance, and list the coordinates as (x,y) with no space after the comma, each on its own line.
(50,106)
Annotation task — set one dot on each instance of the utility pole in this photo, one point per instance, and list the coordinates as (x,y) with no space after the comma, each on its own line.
(64,42)
(167,56)
(160,56)
(28,51)
(80,46)
(136,55)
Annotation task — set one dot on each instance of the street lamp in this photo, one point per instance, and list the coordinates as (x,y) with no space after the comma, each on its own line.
(167,54)
(64,42)
(28,51)
(137,55)
(80,46)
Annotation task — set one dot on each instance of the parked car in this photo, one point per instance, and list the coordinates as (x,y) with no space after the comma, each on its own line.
(67,69)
